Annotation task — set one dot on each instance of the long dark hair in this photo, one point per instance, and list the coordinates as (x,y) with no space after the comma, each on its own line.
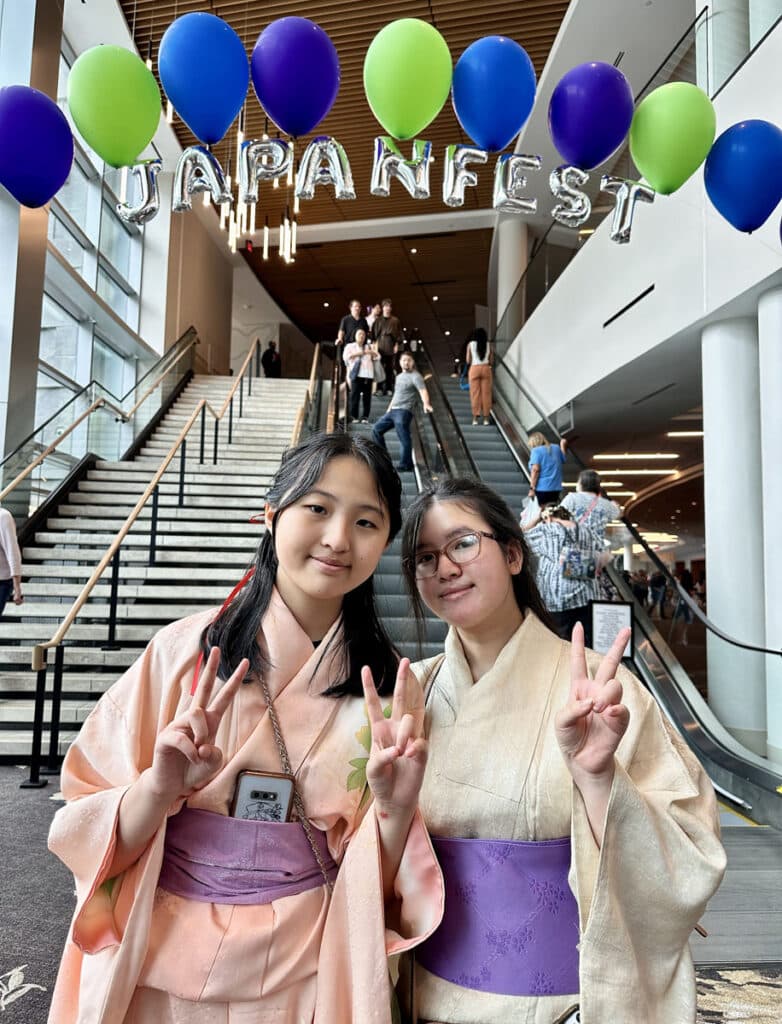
(481,340)
(476,497)
(365,641)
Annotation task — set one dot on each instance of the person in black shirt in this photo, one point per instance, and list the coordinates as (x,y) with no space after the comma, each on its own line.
(270,360)
(350,323)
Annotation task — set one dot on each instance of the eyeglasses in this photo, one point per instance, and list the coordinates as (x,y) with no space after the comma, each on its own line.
(461,550)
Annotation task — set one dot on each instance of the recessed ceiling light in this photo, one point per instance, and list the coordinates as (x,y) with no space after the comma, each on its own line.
(447,334)
(325,305)
(413,251)
(435,298)
(685,433)
(640,455)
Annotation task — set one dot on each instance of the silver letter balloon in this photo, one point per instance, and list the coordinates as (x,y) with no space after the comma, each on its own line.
(510,181)
(261,160)
(149,193)
(198,171)
(574,206)
(456,177)
(626,195)
(389,162)
(337,171)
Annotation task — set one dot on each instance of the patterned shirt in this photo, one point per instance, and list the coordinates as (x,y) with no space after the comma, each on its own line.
(604,511)
(547,541)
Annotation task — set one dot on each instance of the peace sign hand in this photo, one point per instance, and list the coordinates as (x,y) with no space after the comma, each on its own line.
(397,756)
(593,721)
(185,756)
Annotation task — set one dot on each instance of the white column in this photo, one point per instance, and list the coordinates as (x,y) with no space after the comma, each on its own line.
(627,563)
(729,41)
(770,366)
(734,526)
(512,258)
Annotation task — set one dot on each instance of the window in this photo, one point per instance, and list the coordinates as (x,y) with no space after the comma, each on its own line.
(115,241)
(59,338)
(65,242)
(108,367)
(74,195)
(112,294)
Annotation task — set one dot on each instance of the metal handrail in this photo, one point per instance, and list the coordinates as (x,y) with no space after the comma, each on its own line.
(445,405)
(99,403)
(694,607)
(38,653)
(309,398)
(190,336)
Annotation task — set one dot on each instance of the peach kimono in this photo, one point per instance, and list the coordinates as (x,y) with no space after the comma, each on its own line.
(495,771)
(138,954)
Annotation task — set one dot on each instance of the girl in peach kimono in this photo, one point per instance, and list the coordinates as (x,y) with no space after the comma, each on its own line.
(187,914)
(577,834)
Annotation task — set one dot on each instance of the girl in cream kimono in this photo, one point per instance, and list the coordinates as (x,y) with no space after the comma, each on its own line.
(577,834)
(188,914)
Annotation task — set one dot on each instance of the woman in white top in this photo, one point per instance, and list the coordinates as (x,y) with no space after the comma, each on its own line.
(360,357)
(480,358)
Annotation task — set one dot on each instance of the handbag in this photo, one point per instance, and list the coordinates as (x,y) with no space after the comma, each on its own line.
(378,371)
(353,369)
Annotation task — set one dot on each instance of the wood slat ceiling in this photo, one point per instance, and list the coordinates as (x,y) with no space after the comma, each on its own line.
(533,23)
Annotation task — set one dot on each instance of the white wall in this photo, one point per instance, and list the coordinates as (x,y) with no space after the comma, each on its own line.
(255,314)
(697,262)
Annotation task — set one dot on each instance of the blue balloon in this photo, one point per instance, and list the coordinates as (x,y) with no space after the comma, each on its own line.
(295,72)
(204,71)
(589,113)
(493,91)
(36,145)
(743,173)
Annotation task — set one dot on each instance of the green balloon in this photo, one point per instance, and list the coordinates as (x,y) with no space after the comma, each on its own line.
(115,103)
(671,134)
(407,76)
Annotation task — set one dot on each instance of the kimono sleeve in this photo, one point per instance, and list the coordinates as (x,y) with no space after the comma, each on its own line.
(660,861)
(114,745)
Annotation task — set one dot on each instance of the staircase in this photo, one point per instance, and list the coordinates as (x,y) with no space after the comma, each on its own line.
(488,449)
(202,549)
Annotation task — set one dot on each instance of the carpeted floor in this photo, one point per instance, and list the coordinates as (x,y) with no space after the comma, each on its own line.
(36,902)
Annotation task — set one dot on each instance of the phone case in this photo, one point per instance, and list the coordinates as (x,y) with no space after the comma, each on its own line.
(263,796)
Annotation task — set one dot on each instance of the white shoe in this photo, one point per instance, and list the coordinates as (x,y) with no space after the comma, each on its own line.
(475,421)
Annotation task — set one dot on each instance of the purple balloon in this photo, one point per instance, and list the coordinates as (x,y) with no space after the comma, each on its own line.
(36,145)
(589,113)
(295,73)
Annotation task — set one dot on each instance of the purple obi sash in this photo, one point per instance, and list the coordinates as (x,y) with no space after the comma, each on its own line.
(511,922)
(215,859)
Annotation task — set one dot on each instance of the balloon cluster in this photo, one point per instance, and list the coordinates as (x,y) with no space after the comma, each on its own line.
(408,76)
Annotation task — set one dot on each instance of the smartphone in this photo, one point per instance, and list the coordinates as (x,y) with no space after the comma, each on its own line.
(263,796)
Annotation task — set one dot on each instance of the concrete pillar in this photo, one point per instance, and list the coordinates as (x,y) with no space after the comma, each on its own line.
(30,42)
(729,41)
(512,258)
(627,562)
(770,366)
(734,526)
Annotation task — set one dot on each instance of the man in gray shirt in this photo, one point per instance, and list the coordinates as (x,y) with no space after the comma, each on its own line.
(407,386)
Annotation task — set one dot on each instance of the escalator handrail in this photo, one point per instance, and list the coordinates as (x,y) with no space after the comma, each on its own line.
(688,600)
(446,407)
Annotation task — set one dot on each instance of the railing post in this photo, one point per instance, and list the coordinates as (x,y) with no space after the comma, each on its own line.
(34,781)
(203,430)
(249,384)
(257,359)
(111,644)
(153,527)
(53,767)
(231,420)
(241,398)
(214,454)
(182,463)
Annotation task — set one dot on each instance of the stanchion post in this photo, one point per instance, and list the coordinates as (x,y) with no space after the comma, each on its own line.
(34,780)
(53,765)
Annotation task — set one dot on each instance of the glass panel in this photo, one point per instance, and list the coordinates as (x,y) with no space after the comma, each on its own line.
(65,242)
(108,367)
(115,242)
(59,338)
(74,195)
(111,292)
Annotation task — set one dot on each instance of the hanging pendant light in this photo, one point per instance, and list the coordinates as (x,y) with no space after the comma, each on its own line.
(266,238)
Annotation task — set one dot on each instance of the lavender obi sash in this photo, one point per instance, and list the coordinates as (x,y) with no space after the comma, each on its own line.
(215,859)
(511,922)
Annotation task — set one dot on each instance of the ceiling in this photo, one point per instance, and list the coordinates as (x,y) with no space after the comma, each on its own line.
(453,265)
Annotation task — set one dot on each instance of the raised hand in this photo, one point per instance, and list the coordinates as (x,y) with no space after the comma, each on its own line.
(185,756)
(397,756)
(593,721)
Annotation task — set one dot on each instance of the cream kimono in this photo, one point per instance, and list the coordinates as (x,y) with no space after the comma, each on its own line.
(495,772)
(139,954)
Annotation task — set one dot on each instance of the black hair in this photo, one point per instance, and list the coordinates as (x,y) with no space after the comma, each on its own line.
(365,641)
(474,495)
(589,481)
(481,340)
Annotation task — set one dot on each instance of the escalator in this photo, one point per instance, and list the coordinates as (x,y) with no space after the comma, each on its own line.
(745,780)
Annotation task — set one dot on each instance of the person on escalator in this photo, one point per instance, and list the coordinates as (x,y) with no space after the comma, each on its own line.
(480,359)
(545,468)
(409,384)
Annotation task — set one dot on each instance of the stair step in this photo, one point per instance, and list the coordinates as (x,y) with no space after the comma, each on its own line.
(166,513)
(220,575)
(23,613)
(168,501)
(72,682)
(143,525)
(131,554)
(73,711)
